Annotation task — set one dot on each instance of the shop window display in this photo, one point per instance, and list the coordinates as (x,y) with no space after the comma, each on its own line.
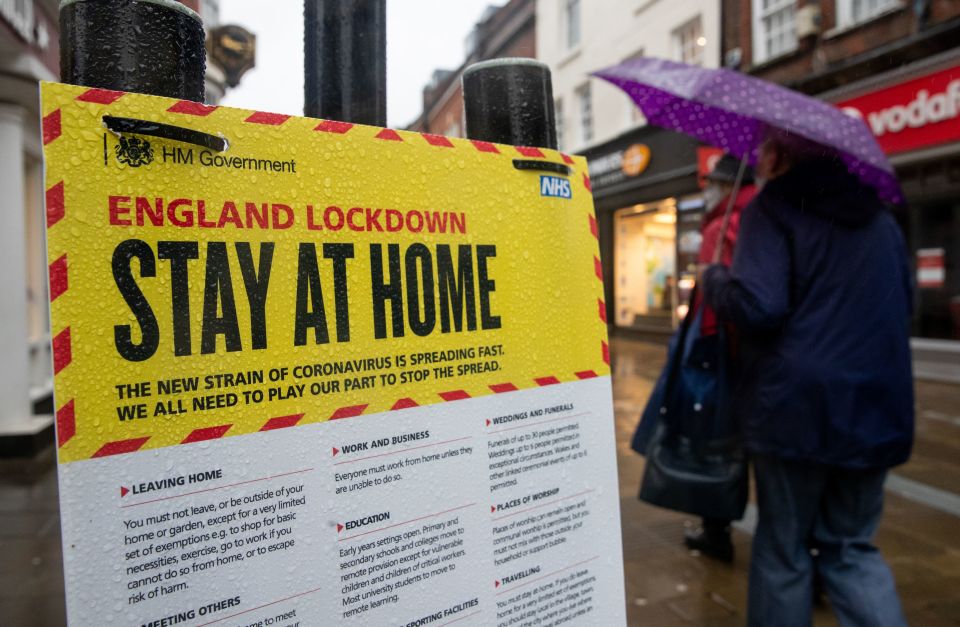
(645,265)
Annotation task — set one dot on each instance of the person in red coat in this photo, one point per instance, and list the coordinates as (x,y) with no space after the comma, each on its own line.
(713,537)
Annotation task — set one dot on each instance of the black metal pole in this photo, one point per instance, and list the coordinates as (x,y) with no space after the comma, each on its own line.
(345,60)
(510,101)
(147,46)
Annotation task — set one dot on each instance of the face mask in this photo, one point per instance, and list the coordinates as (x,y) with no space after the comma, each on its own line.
(712,195)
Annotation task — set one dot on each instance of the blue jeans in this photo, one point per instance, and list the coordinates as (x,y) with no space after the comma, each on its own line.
(803,506)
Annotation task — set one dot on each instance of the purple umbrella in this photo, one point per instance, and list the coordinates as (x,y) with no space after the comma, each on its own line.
(734,112)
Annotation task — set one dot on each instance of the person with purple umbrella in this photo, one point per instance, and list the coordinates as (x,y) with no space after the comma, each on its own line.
(820,293)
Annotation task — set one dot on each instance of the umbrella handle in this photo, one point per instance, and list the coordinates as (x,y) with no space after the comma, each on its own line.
(721,238)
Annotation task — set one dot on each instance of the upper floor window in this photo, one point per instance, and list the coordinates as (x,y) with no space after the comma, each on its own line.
(586,113)
(571,22)
(689,42)
(634,115)
(850,12)
(774,28)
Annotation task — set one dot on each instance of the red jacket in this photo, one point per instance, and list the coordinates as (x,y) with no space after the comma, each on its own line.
(710,230)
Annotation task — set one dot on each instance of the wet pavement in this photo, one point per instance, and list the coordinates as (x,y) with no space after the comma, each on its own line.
(666,585)
(31,559)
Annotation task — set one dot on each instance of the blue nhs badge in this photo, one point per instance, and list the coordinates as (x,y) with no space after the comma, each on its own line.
(555,186)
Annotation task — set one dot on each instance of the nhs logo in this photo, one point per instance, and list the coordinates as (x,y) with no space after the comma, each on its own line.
(555,186)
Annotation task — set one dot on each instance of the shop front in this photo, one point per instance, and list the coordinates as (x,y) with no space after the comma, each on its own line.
(914,112)
(649,209)
(29,52)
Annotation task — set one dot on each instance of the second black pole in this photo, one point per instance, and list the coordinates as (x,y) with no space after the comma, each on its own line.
(510,101)
(345,60)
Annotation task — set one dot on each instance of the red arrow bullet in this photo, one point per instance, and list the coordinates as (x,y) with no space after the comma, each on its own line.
(123,491)
(496,583)
(339,527)
(335,451)
(488,422)
(492,509)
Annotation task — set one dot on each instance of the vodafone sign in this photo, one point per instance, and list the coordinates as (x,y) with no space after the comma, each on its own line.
(916,114)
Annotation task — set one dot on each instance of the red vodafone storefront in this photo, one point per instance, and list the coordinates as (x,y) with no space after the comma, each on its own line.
(914,112)
(917,113)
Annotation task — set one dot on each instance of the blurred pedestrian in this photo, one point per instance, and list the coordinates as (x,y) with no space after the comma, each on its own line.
(820,295)
(713,537)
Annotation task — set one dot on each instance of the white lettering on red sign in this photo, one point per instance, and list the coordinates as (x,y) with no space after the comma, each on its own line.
(918,113)
(922,110)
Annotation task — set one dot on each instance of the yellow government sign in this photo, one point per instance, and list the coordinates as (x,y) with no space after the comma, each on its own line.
(313,270)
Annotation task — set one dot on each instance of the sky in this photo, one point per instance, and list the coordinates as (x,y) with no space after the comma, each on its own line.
(422,35)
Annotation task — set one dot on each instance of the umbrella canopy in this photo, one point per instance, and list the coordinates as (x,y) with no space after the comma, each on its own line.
(735,112)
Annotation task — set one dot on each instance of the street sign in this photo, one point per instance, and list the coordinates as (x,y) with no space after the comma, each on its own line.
(333,374)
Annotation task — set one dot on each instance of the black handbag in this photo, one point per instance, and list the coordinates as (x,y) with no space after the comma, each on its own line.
(695,459)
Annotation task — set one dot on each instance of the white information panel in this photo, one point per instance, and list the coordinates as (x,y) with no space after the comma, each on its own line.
(500,510)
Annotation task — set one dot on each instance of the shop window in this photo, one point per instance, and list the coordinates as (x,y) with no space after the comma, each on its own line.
(852,12)
(645,265)
(690,212)
(689,42)
(933,237)
(586,113)
(571,23)
(774,28)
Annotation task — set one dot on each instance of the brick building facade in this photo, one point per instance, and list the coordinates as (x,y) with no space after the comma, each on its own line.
(896,65)
(507,31)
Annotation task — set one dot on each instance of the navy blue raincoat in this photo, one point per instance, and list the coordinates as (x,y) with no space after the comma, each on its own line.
(820,293)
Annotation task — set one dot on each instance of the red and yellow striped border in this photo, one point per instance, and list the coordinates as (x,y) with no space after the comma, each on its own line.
(59,270)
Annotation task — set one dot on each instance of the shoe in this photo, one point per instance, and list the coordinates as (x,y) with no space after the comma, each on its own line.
(716,545)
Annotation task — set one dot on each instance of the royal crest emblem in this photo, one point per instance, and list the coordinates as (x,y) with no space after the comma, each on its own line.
(134,152)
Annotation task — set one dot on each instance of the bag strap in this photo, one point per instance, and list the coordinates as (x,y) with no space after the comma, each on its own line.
(675,360)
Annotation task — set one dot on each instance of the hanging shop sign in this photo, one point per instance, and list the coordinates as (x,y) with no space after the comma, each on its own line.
(333,374)
(622,164)
(707,157)
(918,113)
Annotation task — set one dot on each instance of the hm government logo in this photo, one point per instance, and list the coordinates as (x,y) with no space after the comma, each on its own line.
(134,152)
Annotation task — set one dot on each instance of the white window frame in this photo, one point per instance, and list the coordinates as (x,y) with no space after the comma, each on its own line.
(686,38)
(759,39)
(585,110)
(635,116)
(846,18)
(570,26)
